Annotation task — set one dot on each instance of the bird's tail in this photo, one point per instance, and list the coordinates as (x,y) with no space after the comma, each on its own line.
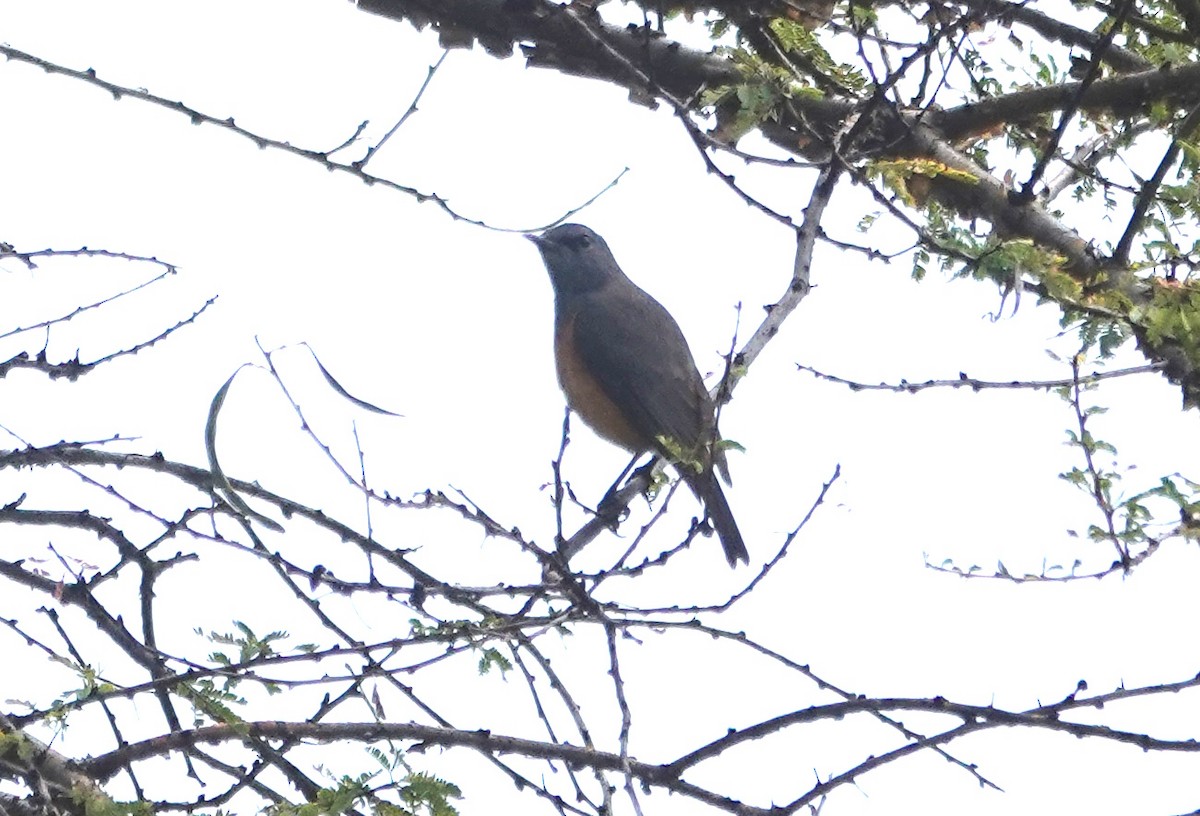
(709,490)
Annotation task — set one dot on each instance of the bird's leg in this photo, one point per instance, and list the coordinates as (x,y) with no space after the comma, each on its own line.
(610,508)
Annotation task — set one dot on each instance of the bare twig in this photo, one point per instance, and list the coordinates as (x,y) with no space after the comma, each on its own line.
(963,381)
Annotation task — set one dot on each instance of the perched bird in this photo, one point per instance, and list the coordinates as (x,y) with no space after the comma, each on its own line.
(626,369)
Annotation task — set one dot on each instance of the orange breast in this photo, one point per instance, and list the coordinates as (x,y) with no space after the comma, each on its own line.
(587,399)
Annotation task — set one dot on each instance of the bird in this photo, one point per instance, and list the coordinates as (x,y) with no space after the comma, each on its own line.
(626,370)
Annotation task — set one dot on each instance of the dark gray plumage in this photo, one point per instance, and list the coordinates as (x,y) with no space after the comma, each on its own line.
(626,369)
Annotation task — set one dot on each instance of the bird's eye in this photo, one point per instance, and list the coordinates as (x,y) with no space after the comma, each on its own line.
(583,242)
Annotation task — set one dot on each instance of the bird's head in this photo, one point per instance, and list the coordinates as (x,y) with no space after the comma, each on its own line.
(577,258)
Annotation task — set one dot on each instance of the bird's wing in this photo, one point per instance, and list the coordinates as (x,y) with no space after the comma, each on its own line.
(636,352)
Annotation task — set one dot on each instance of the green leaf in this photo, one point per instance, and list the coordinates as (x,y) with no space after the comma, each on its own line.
(491,657)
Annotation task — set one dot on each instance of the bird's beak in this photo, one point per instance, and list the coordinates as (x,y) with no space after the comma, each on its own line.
(537,239)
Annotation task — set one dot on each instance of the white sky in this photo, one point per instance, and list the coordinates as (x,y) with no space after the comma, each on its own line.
(449,324)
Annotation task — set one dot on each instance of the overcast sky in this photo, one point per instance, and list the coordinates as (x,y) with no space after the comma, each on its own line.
(450,325)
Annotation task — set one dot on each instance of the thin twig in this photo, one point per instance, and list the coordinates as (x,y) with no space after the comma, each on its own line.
(963,381)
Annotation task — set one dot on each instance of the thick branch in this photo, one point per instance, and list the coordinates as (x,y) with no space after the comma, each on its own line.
(104,766)
(1189,10)
(550,39)
(1122,59)
(1123,93)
